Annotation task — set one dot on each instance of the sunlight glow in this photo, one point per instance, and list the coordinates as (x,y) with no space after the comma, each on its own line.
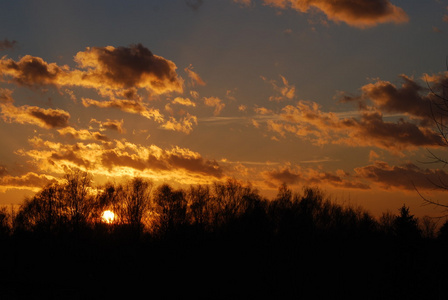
(108,216)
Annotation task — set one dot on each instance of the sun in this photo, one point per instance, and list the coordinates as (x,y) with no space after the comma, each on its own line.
(108,216)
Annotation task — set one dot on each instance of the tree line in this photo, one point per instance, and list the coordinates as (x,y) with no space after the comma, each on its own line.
(218,241)
(140,207)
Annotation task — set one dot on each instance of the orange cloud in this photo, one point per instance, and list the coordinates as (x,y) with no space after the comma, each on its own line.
(45,118)
(129,106)
(82,134)
(183,101)
(120,158)
(127,67)
(185,124)
(284,92)
(194,77)
(31,71)
(358,13)
(110,124)
(307,121)
(30,181)
(106,69)
(216,103)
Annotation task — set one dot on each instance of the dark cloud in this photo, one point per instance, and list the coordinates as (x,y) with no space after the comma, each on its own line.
(128,67)
(283,176)
(45,118)
(194,4)
(7,44)
(358,13)
(31,71)
(107,69)
(310,176)
(372,130)
(52,118)
(306,121)
(410,98)
(403,177)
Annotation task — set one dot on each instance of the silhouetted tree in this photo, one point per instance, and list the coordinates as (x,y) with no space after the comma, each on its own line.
(5,222)
(109,198)
(45,211)
(199,201)
(443,232)
(136,199)
(76,197)
(172,206)
(406,225)
(231,200)
(427,227)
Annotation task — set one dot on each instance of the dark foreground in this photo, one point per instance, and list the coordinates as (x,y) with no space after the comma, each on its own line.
(231,265)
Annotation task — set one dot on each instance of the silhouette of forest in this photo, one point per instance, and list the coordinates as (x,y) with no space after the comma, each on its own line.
(219,241)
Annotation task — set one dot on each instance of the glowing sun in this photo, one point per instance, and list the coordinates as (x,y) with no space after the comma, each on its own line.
(108,216)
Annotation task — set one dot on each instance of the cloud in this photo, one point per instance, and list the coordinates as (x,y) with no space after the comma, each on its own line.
(309,176)
(82,134)
(185,124)
(357,13)
(106,69)
(284,92)
(45,118)
(389,98)
(194,4)
(194,77)
(245,3)
(127,67)
(115,125)
(7,44)
(29,181)
(404,177)
(6,96)
(283,176)
(183,101)
(306,121)
(216,103)
(120,158)
(34,71)
(129,106)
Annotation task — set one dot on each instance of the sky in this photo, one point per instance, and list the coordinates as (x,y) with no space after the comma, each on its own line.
(334,94)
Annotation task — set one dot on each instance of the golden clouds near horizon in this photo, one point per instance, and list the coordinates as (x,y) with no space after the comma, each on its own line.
(122,158)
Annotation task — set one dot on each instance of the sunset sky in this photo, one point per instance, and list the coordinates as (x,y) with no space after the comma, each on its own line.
(307,92)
